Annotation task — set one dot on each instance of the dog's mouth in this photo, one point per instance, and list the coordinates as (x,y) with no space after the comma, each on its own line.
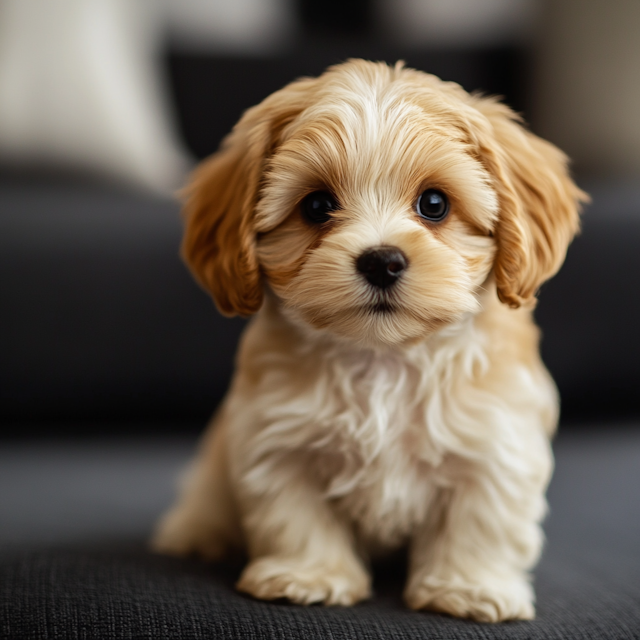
(381,308)
(384,303)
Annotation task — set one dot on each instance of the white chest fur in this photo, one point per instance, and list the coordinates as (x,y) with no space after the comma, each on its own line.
(374,430)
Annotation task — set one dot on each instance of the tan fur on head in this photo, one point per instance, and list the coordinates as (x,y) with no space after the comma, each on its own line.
(538,201)
(365,415)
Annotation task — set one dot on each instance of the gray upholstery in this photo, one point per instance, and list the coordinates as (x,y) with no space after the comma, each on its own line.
(102,322)
(69,490)
(102,328)
(73,563)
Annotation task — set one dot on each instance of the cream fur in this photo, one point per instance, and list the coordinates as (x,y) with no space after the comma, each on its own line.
(348,431)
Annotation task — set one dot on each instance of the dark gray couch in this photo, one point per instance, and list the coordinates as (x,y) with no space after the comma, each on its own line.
(74,562)
(112,359)
(102,323)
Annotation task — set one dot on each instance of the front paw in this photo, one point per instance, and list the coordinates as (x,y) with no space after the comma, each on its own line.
(272,577)
(491,601)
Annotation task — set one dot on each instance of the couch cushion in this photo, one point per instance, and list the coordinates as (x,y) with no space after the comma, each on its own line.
(96,579)
(102,322)
(125,592)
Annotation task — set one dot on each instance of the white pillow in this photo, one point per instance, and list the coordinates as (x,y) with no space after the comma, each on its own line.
(80,86)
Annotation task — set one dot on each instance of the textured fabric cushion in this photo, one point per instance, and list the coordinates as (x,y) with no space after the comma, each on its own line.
(128,593)
(55,586)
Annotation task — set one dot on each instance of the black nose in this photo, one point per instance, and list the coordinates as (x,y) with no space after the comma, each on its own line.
(383,266)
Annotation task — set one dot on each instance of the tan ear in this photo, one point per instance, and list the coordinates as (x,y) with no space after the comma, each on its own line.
(539,204)
(219,241)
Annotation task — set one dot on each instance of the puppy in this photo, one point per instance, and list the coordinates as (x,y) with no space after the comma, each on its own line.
(389,231)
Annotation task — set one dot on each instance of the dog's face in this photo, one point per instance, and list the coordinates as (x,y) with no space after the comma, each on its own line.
(375,222)
(375,202)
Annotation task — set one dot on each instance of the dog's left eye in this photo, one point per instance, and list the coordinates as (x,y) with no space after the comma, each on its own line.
(317,206)
(433,205)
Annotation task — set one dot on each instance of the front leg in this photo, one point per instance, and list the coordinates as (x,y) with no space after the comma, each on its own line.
(299,548)
(472,556)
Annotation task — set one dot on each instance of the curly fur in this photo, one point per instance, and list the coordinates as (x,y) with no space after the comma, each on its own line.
(349,430)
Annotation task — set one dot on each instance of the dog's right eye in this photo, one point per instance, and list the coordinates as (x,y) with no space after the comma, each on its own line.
(317,207)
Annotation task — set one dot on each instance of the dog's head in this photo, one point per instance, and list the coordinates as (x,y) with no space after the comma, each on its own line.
(374,202)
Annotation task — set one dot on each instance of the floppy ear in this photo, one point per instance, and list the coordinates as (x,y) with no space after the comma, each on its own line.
(219,240)
(539,204)
(218,244)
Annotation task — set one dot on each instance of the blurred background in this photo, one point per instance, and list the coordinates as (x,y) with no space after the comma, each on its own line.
(112,359)
(106,104)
